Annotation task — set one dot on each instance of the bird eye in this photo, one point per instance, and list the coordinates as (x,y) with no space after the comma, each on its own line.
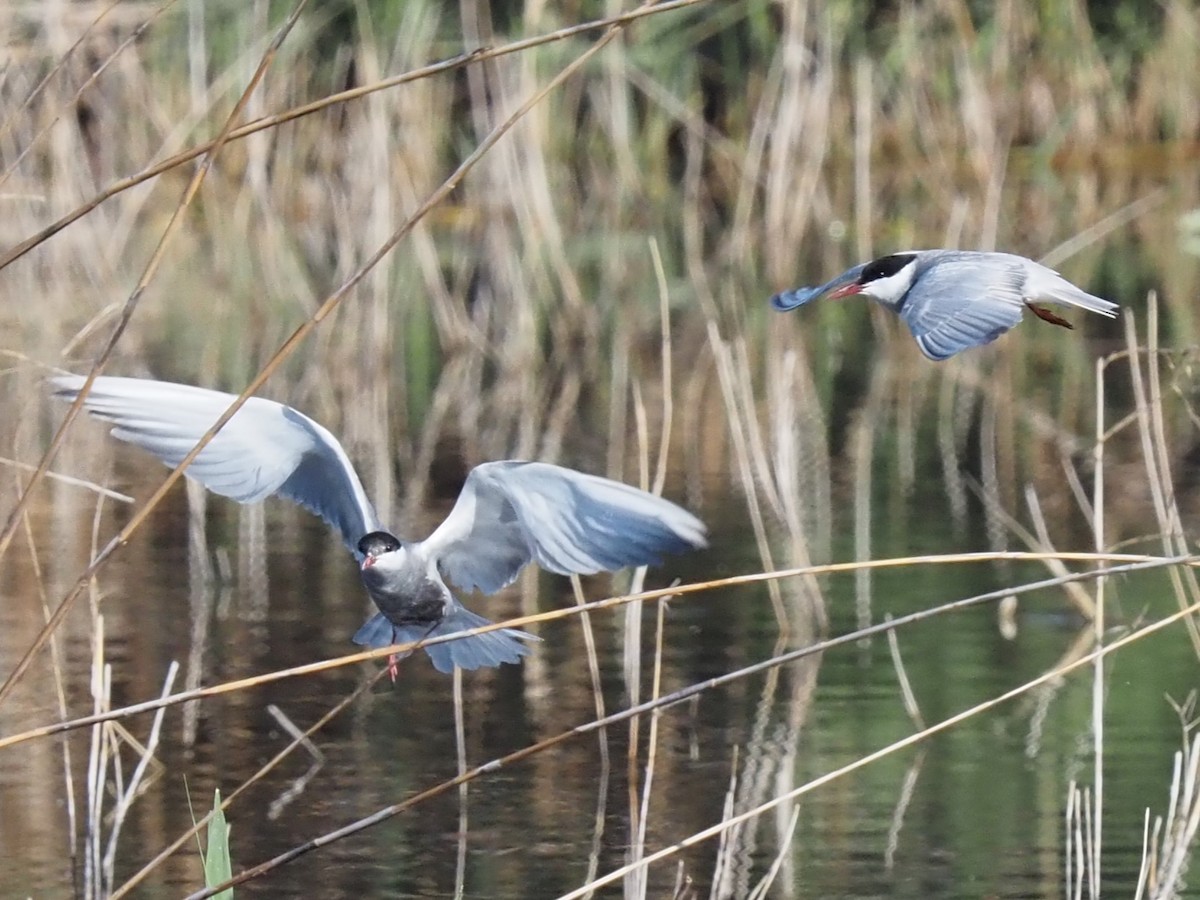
(377,542)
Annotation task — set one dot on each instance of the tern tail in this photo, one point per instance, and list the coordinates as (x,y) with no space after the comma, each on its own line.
(491,649)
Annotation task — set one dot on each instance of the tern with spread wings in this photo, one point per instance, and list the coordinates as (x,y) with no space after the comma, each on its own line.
(508,514)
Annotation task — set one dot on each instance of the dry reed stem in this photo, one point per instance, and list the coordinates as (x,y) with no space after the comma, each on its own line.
(1130,562)
(667,379)
(1110,223)
(682,889)
(92,78)
(734,858)
(632,642)
(741,428)
(131,304)
(57,671)
(593,661)
(637,886)
(1070,842)
(901,744)
(460,746)
(802,476)
(697,688)
(129,793)
(1180,826)
(632,633)
(1172,525)
(97,765)
(1098,624)
(1148,854)
(69,479)
(760,889)
(906,692)
(1037,543)
(1080,851)
(285,350)
(267,767)
(1161,876)
(1080,597)
(1166,854)
(1158,478)
(463,59)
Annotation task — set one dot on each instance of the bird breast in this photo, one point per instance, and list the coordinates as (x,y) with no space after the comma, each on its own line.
(407,596)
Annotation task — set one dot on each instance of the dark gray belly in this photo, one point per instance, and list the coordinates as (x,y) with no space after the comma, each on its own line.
(420,603)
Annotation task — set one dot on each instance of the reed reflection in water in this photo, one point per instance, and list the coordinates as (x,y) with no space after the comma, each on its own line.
(267,589)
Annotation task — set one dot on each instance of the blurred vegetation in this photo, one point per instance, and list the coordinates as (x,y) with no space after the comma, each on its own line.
(760,143)
(755,144)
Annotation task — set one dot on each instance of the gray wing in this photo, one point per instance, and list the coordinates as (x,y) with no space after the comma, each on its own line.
(512,512)
(266,448)
(962,303)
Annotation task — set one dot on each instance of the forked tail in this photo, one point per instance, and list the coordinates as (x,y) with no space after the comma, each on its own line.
(491,649)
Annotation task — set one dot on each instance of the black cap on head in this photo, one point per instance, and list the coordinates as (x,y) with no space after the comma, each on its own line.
(378,542)
(885,267)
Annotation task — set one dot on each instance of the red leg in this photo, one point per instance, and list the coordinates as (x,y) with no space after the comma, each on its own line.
(1047,316)
(393,667)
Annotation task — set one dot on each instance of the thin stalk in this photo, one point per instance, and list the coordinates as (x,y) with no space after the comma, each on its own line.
(285,350)
(297,741)
(882,753)
(1133,563)
(639,844)
(1098,633)
(589,643)
(477,55)
(460,743)
(494,765)
(131,305)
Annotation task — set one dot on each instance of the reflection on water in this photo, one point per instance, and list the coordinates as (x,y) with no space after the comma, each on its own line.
(523,321)
(976,811)
(789,453)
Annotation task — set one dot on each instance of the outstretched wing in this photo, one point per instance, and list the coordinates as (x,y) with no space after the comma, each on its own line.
(512,512)
(266,448)
(947,312)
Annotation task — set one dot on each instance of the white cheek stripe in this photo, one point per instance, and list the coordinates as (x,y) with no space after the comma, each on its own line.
(891,290)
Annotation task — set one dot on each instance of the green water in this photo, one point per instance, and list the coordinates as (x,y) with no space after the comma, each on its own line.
(983,814)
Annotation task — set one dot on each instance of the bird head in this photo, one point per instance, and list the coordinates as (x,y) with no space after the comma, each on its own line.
(379,546)
(886,279)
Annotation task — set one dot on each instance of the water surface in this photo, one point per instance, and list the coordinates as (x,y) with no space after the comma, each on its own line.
(977,811)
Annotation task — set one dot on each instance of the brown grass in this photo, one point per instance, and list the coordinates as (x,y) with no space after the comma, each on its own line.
(464,255)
